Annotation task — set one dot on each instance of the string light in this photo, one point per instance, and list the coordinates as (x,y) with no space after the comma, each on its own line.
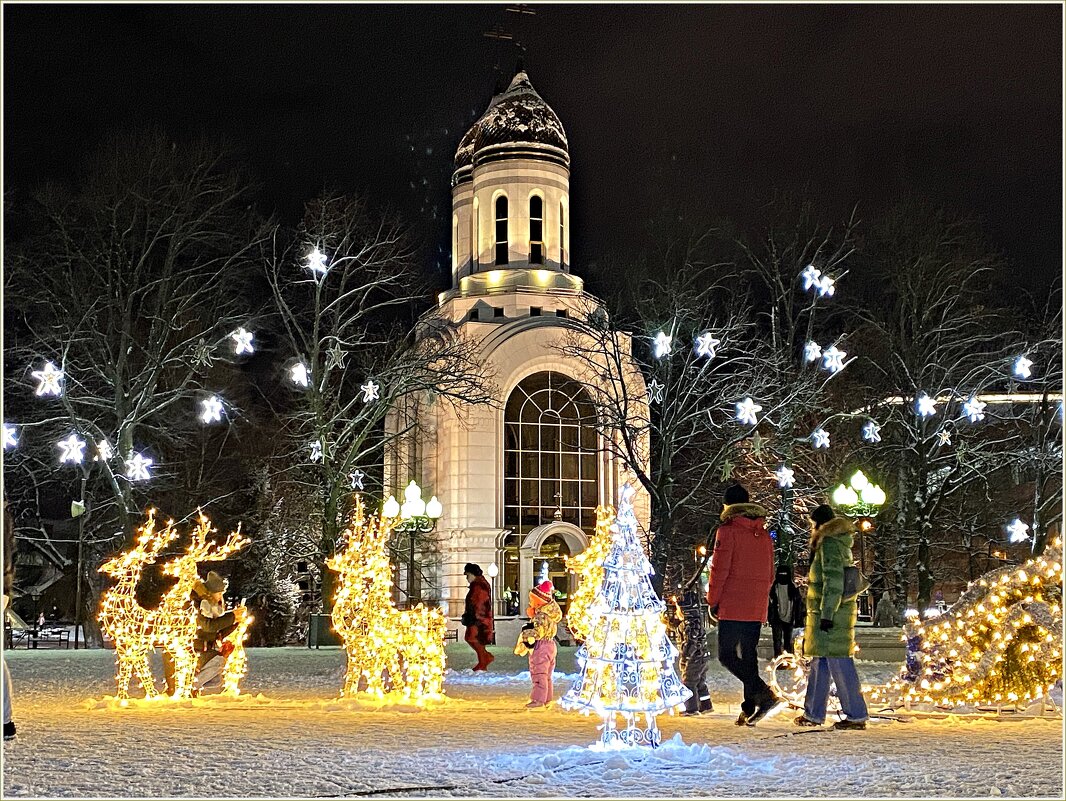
(211,410)
(974,409)
(242,341)
(11,439)
(707,345)
(316,263)
(925,406)
(833,359)
(392,654)
(811,277)
(73,449)
(820,438)
(588,567)
(627,661)
(300,375)
(663,344)
(1022,367)
(104,451)
(871,432)
(786,476)
(747,411)
(49,380)
(1017,531)
(812,352)
(826,286)
(137,467)
(370,391)
(137,631)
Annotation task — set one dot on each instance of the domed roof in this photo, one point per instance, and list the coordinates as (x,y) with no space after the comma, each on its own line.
(516,116)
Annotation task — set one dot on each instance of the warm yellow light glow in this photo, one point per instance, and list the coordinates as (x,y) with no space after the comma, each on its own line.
(588,567)
(392,654)
(136,631)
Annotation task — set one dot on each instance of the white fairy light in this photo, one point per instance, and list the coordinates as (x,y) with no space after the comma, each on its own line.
(137,467)
(871,432)
(663,344)
(812,352)
(925,406)
(48,380)
(11,439)
(707,345)
(786,476)
(316,451)
(356,477)
(300,375)
(212,410)
(974,409)
(73,449)
(242,341)
(747,411)
(370,391)
(1021,367)
(811,277)
(833,359)
(943,437)
(104,451)
(820,438)
(655,391)
(1017,531)
(826,286)
(316,262)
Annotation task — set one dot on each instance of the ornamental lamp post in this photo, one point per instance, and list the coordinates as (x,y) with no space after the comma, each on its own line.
(492,572)
(416,517)
(862,498)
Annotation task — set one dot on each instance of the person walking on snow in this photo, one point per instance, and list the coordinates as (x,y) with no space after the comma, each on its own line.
(692,660)
(544,614)
(829,636)
(477,617)
(886,616)
(742,570)
(785,611)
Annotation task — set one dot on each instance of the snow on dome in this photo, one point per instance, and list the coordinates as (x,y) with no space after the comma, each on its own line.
(518,115)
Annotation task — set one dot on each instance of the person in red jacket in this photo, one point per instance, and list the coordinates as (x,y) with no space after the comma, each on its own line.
(477,617)
(742,571)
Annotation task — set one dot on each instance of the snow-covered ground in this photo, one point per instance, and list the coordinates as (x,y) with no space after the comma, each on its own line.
(289,736)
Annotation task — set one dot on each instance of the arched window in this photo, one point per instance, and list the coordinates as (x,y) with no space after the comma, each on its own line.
(536,230)
(551,463)
(455,241)
(475,242)
(562,236)
(501,229)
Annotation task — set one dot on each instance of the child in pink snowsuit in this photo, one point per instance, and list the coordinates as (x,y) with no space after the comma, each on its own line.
(545,614)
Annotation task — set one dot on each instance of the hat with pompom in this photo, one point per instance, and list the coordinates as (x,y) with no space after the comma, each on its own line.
(544,590)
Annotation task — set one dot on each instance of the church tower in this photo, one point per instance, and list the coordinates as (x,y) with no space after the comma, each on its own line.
(520,481)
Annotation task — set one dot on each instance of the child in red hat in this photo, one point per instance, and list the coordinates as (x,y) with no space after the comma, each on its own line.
(545,615)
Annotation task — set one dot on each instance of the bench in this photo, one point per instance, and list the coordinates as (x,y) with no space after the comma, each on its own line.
(44,638)
(451,634)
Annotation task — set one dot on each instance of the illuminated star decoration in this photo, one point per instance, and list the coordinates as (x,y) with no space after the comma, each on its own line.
(212,410)
(707,345)
(925,406)
(73,448)
(747,411)
(826,286)
(812,352)
(316,262)
(370,391)
(944,437)
(1021,367)
(336,357)
(833,359)
(242,341)
(11,439)
(137,467)
(655,391)
(786,476)
(357,477)
(300,375)
(103,451)
(871,432)
(820,438)
(48,380)
(663,344)
(316,451)
(1017,531)
(974,410)
(811,277)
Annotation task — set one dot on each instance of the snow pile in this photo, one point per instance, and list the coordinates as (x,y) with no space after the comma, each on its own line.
(487,678)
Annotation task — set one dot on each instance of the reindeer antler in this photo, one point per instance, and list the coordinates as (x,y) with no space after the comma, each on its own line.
(146,551)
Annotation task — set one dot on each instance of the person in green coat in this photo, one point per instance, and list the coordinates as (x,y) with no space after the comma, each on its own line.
(829,636)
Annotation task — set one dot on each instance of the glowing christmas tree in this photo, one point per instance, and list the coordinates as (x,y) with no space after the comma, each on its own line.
(627,661)
(588,567)
(1000,644)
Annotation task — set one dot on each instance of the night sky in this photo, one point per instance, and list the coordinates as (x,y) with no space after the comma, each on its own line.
(707,107)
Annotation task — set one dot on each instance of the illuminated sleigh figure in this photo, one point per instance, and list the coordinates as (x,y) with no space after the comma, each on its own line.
(137,631)
(392,654)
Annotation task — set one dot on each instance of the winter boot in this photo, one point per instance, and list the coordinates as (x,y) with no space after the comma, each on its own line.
(762,709)
(805,721)
(846,724)
(9,730)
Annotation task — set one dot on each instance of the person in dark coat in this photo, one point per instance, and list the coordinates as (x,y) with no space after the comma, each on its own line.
(886,615)
(213,625)
(785,610)
(829,636)
(9,588)
(478,617)
(742,570)
(692,660)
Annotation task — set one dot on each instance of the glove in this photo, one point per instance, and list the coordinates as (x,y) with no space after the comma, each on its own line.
(825,624)
(467,619)
(713,614)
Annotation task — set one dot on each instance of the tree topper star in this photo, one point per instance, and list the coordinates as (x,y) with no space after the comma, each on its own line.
(371,391)
(707,345)
(73,448)
(48,380)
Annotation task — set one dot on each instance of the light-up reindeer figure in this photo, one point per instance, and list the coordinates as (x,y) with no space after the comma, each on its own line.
(132,627)
(389,651)
(177,629)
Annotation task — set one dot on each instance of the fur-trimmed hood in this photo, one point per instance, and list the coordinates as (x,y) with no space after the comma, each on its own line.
(837,527)
(752,510)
